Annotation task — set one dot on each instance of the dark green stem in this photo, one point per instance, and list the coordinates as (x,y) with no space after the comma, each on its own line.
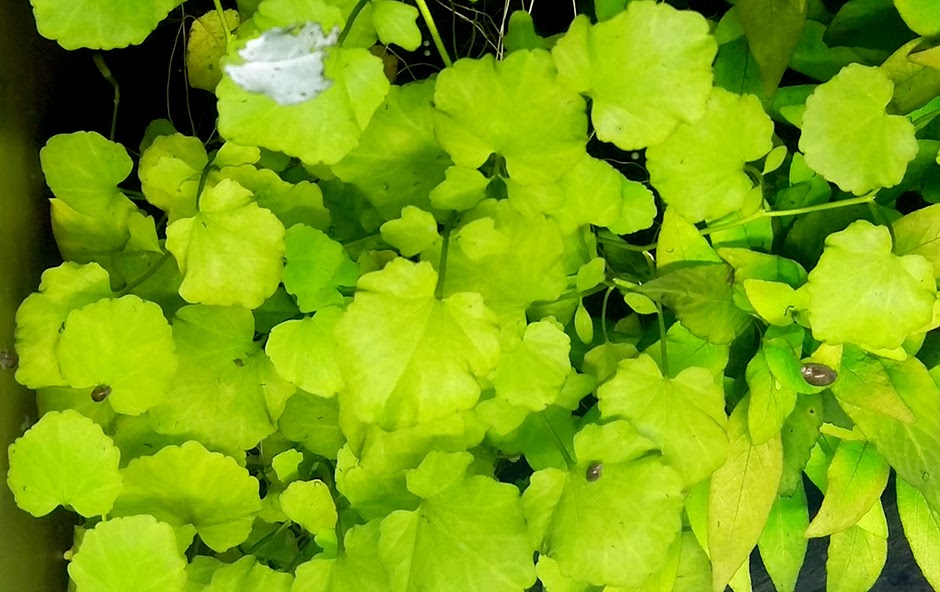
(221,12)
(146,275)
(445,247)
(558,443)
(106,72)
(662,337)
(625,246)
(351,21)
(604,314)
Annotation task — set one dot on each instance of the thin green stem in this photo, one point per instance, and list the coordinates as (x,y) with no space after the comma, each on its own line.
(445,247)
(438,42)
(267,538)
(662,337)
(573,295)
(221,12)
(202,183)
(604,314)
(106,73)
(558,443)
(146,275)
(925,119)
(364,239)
(351,21)
(624,245)
(832,205)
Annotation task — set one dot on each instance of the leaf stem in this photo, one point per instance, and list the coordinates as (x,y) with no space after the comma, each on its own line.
(221,12)
(445,247)
(558,443)
(146,275)
(106,73)
(832,205)
(662,336)
(438,42)
(350,21)
(625,245)
(604,314)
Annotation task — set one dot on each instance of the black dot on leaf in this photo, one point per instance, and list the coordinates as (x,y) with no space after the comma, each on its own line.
(100,393)
(594,472)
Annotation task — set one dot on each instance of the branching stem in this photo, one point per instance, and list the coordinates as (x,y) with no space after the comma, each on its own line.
(442,267)
(832,205)
(146,275)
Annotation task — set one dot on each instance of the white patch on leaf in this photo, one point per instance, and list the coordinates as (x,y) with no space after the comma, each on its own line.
(285,63)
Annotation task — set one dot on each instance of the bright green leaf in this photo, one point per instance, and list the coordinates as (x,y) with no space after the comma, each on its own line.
(323,129)
(799,434)
(679,242)
(189,485)
(461,189)
(227,393)
(313,422)
(683,415)
(309,504)
(231,251)
(685,350)
(409,357)
(849,139)
(133,553)
(317,268)
(771,401)
(169,172)
(740,497)
(861,293)
(912,449)
(358,567)
(533,366)
(856,477)
(472,532)
(395,23)
(304,352)
(64,459)
(922,16)
(398,160)
(782,544)
(583,324)
(856,556)
(530,120)
(124,344)
(922,529)
(918,233)
(411,234)
(248,575)
(63,289)
(286,464)
(615,528)
(96,25)
(646,70)
(300,203)
(699,169)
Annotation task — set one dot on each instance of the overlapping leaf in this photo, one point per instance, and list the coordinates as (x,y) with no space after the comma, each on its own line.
(646,70)
(87,23)
(317,268)
(187,484)
(409,357)
(530,120)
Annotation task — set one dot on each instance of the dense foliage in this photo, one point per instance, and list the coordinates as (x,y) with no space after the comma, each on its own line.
(578,316)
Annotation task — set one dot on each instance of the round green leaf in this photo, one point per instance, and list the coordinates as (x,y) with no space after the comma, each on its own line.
(849,139)
(646,70)
(169,173)
(62,290)
(534,366)
(134,553)
(414,232)
(861,293)
(398,160)
(64,459)
(409,357)
(99,25)
(231,251)
(699,169)
(248,575)
(125,344)
(323,129)
(189,485)
(317,267)
(309,504)
(536,125)
(610,525)
(395,23)
(304,352)
(358,567)
(922,16)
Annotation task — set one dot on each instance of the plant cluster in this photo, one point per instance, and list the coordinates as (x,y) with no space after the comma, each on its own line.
(579,319)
